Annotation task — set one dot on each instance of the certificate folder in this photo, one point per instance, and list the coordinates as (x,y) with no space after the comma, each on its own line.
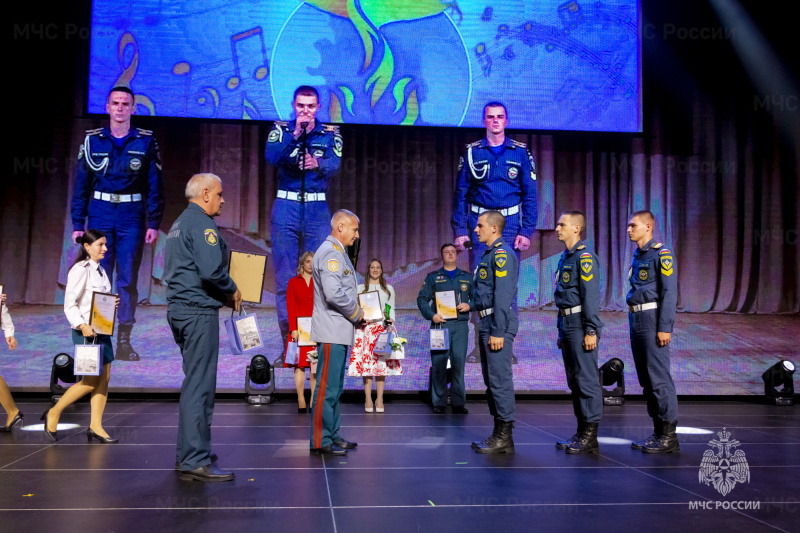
(247,271)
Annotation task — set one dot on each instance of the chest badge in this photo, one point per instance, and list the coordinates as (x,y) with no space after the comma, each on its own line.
(482,274)
(565,278)
(136,163)
(643,275)
(513,172)
(464,286)
(318,153)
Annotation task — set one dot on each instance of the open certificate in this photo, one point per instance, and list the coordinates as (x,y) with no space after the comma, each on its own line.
(371,304)
(304,331)
(446,304)
(104,313)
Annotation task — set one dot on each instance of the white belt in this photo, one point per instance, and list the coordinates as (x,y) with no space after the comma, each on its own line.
(505,212)
(486,312)
(643,307)
(296,196)
(569,311)
(117,198)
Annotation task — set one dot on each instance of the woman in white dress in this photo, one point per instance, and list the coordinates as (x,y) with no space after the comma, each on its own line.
(363,361)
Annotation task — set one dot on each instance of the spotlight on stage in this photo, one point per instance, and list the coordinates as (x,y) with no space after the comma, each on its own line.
(779,374)
(62,372)
(611,374)
(259,372)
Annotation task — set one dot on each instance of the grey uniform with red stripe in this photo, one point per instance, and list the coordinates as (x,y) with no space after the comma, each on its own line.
(336,310)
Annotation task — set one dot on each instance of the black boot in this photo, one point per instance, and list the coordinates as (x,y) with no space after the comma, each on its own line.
(502,442)
(125,351)
(667,442)
(638,445)
(484,442)
(587,442)
(562,444)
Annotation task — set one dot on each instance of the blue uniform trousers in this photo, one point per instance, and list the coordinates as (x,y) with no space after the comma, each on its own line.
(497,373)
(326,411)
(583,376)
(652,366)
(458,331)
(123,225)
(197,335)
(296,228)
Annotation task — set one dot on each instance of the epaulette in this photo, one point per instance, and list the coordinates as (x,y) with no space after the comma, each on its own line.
(581,247)
(281,124)
(518,144)
(141,131)
(95,131)
(336,247)
(474,145)
(657,245)
(332,128)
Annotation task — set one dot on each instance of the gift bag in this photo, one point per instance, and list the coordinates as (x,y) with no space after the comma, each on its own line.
(399,353)
(383,346)
(292,355)
(440,339)
(88,359)
(243,332)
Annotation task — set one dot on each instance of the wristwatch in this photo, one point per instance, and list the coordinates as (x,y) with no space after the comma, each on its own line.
(591,333)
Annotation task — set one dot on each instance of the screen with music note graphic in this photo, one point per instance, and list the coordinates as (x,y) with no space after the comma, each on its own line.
(556,65)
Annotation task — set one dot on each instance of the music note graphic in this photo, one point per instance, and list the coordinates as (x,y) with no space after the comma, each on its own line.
(483,59)
(261,70)
(129,72)
(184,69)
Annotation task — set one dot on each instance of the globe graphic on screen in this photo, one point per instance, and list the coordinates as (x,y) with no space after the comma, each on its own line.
(377,67)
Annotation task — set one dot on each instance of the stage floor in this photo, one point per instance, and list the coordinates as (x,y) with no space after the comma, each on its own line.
(712,354)
(412,471)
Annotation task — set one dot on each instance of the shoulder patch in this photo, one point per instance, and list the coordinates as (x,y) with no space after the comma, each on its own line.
(666,265)
(337,143)
(657,245)
(333,265)
(211,237)
(500,260)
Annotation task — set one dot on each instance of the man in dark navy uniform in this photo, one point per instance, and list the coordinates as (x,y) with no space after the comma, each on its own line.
(198,284)
(652,302)
(300,215)
(448,278)
(577,296)
(495,284)
(496,173)
(118,182)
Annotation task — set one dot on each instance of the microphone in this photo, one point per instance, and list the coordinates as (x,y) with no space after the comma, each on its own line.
(467,245)
(304,125)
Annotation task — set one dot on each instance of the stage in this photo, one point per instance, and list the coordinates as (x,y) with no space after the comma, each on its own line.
(412,471)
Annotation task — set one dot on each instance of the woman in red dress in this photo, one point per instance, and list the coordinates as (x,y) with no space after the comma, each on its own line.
(300,302)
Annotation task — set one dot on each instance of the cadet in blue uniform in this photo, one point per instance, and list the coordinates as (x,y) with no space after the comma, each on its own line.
(495,173)
(118,182)
(495,284)
(653,301)
(300,215)
(198,284)
(448,278)
(336,310)
(577,296)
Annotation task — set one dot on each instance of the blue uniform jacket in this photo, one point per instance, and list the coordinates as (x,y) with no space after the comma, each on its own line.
(283,151)
(439,281)
(495,182)
(495,286)
(578,283)
(196,261)
(653,278)
(134,167)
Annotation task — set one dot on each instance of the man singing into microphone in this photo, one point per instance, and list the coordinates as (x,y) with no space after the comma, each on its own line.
(307,154)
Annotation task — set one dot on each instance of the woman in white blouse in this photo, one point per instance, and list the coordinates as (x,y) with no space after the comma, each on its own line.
(86,277)
(13,415)
(363,361)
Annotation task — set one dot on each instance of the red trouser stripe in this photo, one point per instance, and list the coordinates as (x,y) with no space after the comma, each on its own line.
(321,388)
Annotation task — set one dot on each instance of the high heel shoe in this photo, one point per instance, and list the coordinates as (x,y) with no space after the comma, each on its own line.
(90,434)
(16,420)
(52,434)
(367,409)
(378,409)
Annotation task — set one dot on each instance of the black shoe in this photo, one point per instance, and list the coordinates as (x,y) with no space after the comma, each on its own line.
(562,444)
(302,410)
(14,421)
(484,442)
(587,441)
(438,410)
(207,474)
(502,441)
(667,442)
(90,434)
(125,351)
(328,450)
(657,428)
(460,410)
(211,456)
(345,445)
(52,434)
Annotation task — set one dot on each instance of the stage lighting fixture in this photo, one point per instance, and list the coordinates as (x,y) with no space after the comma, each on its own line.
(259,372)
(779,374)
(611,373)
(62,371)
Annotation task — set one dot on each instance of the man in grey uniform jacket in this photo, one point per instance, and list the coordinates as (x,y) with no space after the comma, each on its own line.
(336,310)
